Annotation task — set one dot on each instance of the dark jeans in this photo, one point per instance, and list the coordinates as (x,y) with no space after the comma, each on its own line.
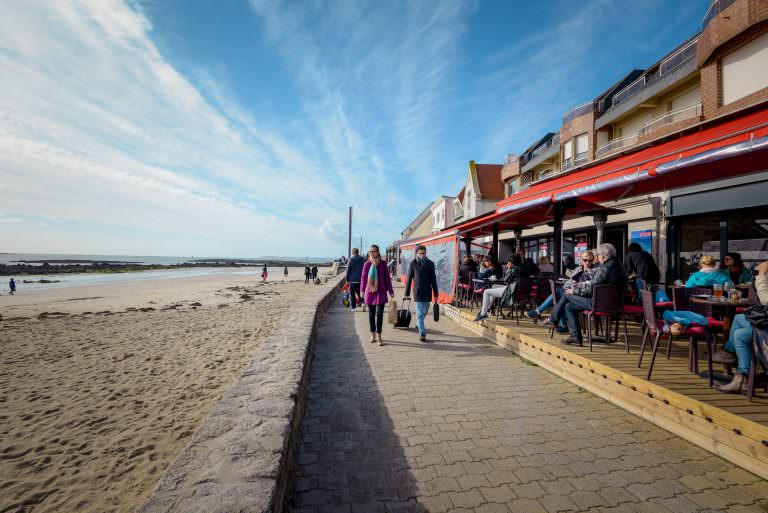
(354,294)
(376,317)
(574,305)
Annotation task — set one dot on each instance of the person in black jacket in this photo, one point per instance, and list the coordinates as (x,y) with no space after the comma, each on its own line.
(421,273)
(579,297)
(354,268)
(640,264)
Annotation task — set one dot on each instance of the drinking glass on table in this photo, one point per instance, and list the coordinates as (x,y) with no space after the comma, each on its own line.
(717,290)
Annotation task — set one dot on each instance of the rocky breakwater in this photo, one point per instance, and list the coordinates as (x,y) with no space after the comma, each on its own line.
(241,456)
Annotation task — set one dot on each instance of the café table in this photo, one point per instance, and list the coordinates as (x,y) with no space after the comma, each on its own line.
(726,305)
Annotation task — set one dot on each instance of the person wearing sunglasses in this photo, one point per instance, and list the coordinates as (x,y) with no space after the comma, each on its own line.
(585,273)
(421,273)
(375,282)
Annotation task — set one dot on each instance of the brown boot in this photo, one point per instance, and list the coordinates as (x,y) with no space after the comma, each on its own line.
(373,337)
(378,337)
(734,387)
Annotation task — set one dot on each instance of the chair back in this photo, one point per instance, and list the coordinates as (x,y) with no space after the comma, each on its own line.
(542,288)
(524,287)
(681,297)
(649,310)
(608,298)
(752,296)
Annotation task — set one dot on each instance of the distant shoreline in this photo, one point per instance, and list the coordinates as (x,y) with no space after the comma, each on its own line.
(66,266)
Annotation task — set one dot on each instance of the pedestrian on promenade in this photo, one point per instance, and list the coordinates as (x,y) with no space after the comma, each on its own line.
(12,285)
(375,282)
(738,349)
(578,297)
(421,273)
(314,273)
(285,272)
(307,274)
(264,274)
(640,264)
(354,271)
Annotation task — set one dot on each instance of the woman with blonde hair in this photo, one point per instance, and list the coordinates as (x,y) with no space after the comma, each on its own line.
(708,274)
(375,282)
(545,266)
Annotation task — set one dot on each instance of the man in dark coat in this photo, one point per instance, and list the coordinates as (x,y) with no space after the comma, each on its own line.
(354,268)
(640,264)
(421,273)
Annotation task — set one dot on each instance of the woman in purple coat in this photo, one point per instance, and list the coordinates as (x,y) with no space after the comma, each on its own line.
(374,285)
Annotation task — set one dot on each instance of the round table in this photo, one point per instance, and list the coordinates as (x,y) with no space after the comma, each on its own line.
(726,305)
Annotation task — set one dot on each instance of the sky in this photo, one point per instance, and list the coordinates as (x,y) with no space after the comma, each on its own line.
(239,128)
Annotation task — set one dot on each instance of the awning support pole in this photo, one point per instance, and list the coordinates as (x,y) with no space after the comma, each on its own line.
(518,243)
(723,238)
(557,243)
(600,218)
(468,245)
(495,244)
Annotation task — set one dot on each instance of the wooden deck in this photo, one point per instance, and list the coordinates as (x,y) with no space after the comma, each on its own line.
(675,399)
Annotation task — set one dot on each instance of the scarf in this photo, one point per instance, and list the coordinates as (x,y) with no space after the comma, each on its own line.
(373,278)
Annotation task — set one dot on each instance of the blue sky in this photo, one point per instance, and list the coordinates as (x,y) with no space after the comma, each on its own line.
(245,128)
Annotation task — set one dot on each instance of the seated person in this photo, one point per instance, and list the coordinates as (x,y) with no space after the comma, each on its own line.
(707,275)
(545,266)
(511,275)
(467,266)
(486,270)
(579,296)
(733,268)
(569,264)
(740,339)
(585,274)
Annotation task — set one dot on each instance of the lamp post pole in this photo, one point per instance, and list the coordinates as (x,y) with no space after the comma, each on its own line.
(349,236)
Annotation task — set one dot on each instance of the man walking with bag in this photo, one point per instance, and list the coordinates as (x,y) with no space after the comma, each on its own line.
(354,271)
(421,273)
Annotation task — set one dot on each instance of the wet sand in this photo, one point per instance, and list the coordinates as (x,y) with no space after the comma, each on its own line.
(101,386)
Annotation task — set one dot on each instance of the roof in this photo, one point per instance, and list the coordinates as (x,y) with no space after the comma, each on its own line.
(460,195)
(489,181)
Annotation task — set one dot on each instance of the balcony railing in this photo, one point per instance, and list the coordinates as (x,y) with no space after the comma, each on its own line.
(672,63)
(580,110)
(715,8)
(540,150)
(681,114)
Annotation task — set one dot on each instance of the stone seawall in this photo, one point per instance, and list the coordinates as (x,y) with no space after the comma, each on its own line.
(240,458)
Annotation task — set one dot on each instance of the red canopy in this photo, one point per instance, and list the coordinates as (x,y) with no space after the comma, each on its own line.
(730,148)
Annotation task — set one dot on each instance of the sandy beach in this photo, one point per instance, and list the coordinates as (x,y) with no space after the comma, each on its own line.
(102,385)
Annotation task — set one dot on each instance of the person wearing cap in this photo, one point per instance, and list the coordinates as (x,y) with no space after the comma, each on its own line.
(707,275)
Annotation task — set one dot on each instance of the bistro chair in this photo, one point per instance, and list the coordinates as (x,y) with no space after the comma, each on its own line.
(682,296)
(541,291)
(607,302)
(521,298)
(464,288)
(655,328)
(553,291)
(475,293)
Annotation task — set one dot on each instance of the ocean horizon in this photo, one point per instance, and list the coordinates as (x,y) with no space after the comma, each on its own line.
(16,258)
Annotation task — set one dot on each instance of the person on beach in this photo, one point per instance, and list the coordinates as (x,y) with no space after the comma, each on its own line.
(421,273)
(307,274)
(375,282)
(354,271)
(12,285)
(264,274)
(285,272)
(314,273)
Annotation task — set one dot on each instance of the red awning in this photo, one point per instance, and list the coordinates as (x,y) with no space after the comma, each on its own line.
(731,148)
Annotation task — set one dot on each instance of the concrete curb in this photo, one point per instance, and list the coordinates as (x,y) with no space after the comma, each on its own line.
(240,458)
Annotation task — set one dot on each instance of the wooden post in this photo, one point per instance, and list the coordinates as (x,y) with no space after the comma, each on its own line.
(495,243)
(557,242)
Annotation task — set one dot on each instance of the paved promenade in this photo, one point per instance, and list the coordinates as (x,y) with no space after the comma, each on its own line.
(460,425)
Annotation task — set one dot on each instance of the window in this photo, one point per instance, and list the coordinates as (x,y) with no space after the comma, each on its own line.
(745,70)
(513,187)
(567,152)
(582,147)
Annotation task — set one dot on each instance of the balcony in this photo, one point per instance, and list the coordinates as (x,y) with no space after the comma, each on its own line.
(682,114)
(580,110)
(715,8)
(675,67)
(542,153)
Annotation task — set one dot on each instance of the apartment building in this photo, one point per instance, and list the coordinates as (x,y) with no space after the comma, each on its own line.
(718,75)
(442,212)
(482,190)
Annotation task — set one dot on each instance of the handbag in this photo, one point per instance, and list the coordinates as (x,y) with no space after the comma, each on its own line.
(435,312)
(392,319)
(757,316)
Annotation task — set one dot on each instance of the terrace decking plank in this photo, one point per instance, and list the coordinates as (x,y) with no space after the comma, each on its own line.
(675,399)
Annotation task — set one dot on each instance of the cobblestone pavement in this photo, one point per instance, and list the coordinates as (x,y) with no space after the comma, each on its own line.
(459,425)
